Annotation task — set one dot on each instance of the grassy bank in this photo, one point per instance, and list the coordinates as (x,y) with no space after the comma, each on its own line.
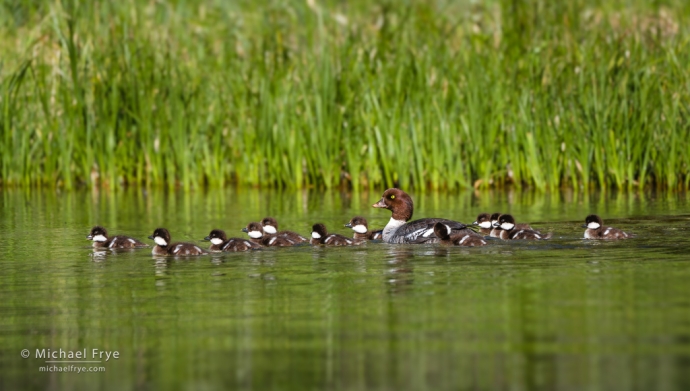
(420,94)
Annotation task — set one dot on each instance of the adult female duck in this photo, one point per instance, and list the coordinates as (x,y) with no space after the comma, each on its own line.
(398,230)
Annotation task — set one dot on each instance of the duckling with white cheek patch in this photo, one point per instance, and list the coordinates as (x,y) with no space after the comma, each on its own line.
(510,231)
(99,236)
(444,233)
(596,230)
(163,246)
(220,242)
(496,229)
(259,236)
(484,223)
(319,235)
(270,226)
(361,227)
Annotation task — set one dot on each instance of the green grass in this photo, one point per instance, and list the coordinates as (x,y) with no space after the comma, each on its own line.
(418,94)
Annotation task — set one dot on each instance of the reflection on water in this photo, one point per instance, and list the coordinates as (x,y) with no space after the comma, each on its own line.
(558,315)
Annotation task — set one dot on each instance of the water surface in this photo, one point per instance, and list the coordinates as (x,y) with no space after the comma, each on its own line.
(566,314)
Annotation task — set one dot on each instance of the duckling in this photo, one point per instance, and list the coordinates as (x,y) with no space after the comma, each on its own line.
(443,232)
(596,230)
(220,242)
(259,236)
(319,235)
(100,238)
(163,247)
(361,227)
(270,226)
(484,223)
(510,231)
(496,230)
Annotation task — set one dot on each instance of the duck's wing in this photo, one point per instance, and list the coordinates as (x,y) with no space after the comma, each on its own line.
(422,231)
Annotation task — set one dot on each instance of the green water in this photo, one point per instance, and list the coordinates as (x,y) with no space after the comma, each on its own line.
(559,315)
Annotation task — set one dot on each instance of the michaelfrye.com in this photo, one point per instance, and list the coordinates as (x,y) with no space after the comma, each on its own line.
(66,360)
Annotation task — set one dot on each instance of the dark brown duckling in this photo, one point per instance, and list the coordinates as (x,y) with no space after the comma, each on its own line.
(361,227)
(596,230)
(484,223)
(99,236)
(270,226)
(496,230)
(511,231)
(319,235)
(163,246)
(259,236)
(220,242)
(444,233)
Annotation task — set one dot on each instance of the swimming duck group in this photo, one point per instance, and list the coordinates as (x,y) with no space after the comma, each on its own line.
(398,230)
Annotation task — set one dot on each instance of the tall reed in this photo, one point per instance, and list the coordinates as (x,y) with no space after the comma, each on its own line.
(418,94)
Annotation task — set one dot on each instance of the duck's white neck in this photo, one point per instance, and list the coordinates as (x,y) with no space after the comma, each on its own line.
(390,228)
